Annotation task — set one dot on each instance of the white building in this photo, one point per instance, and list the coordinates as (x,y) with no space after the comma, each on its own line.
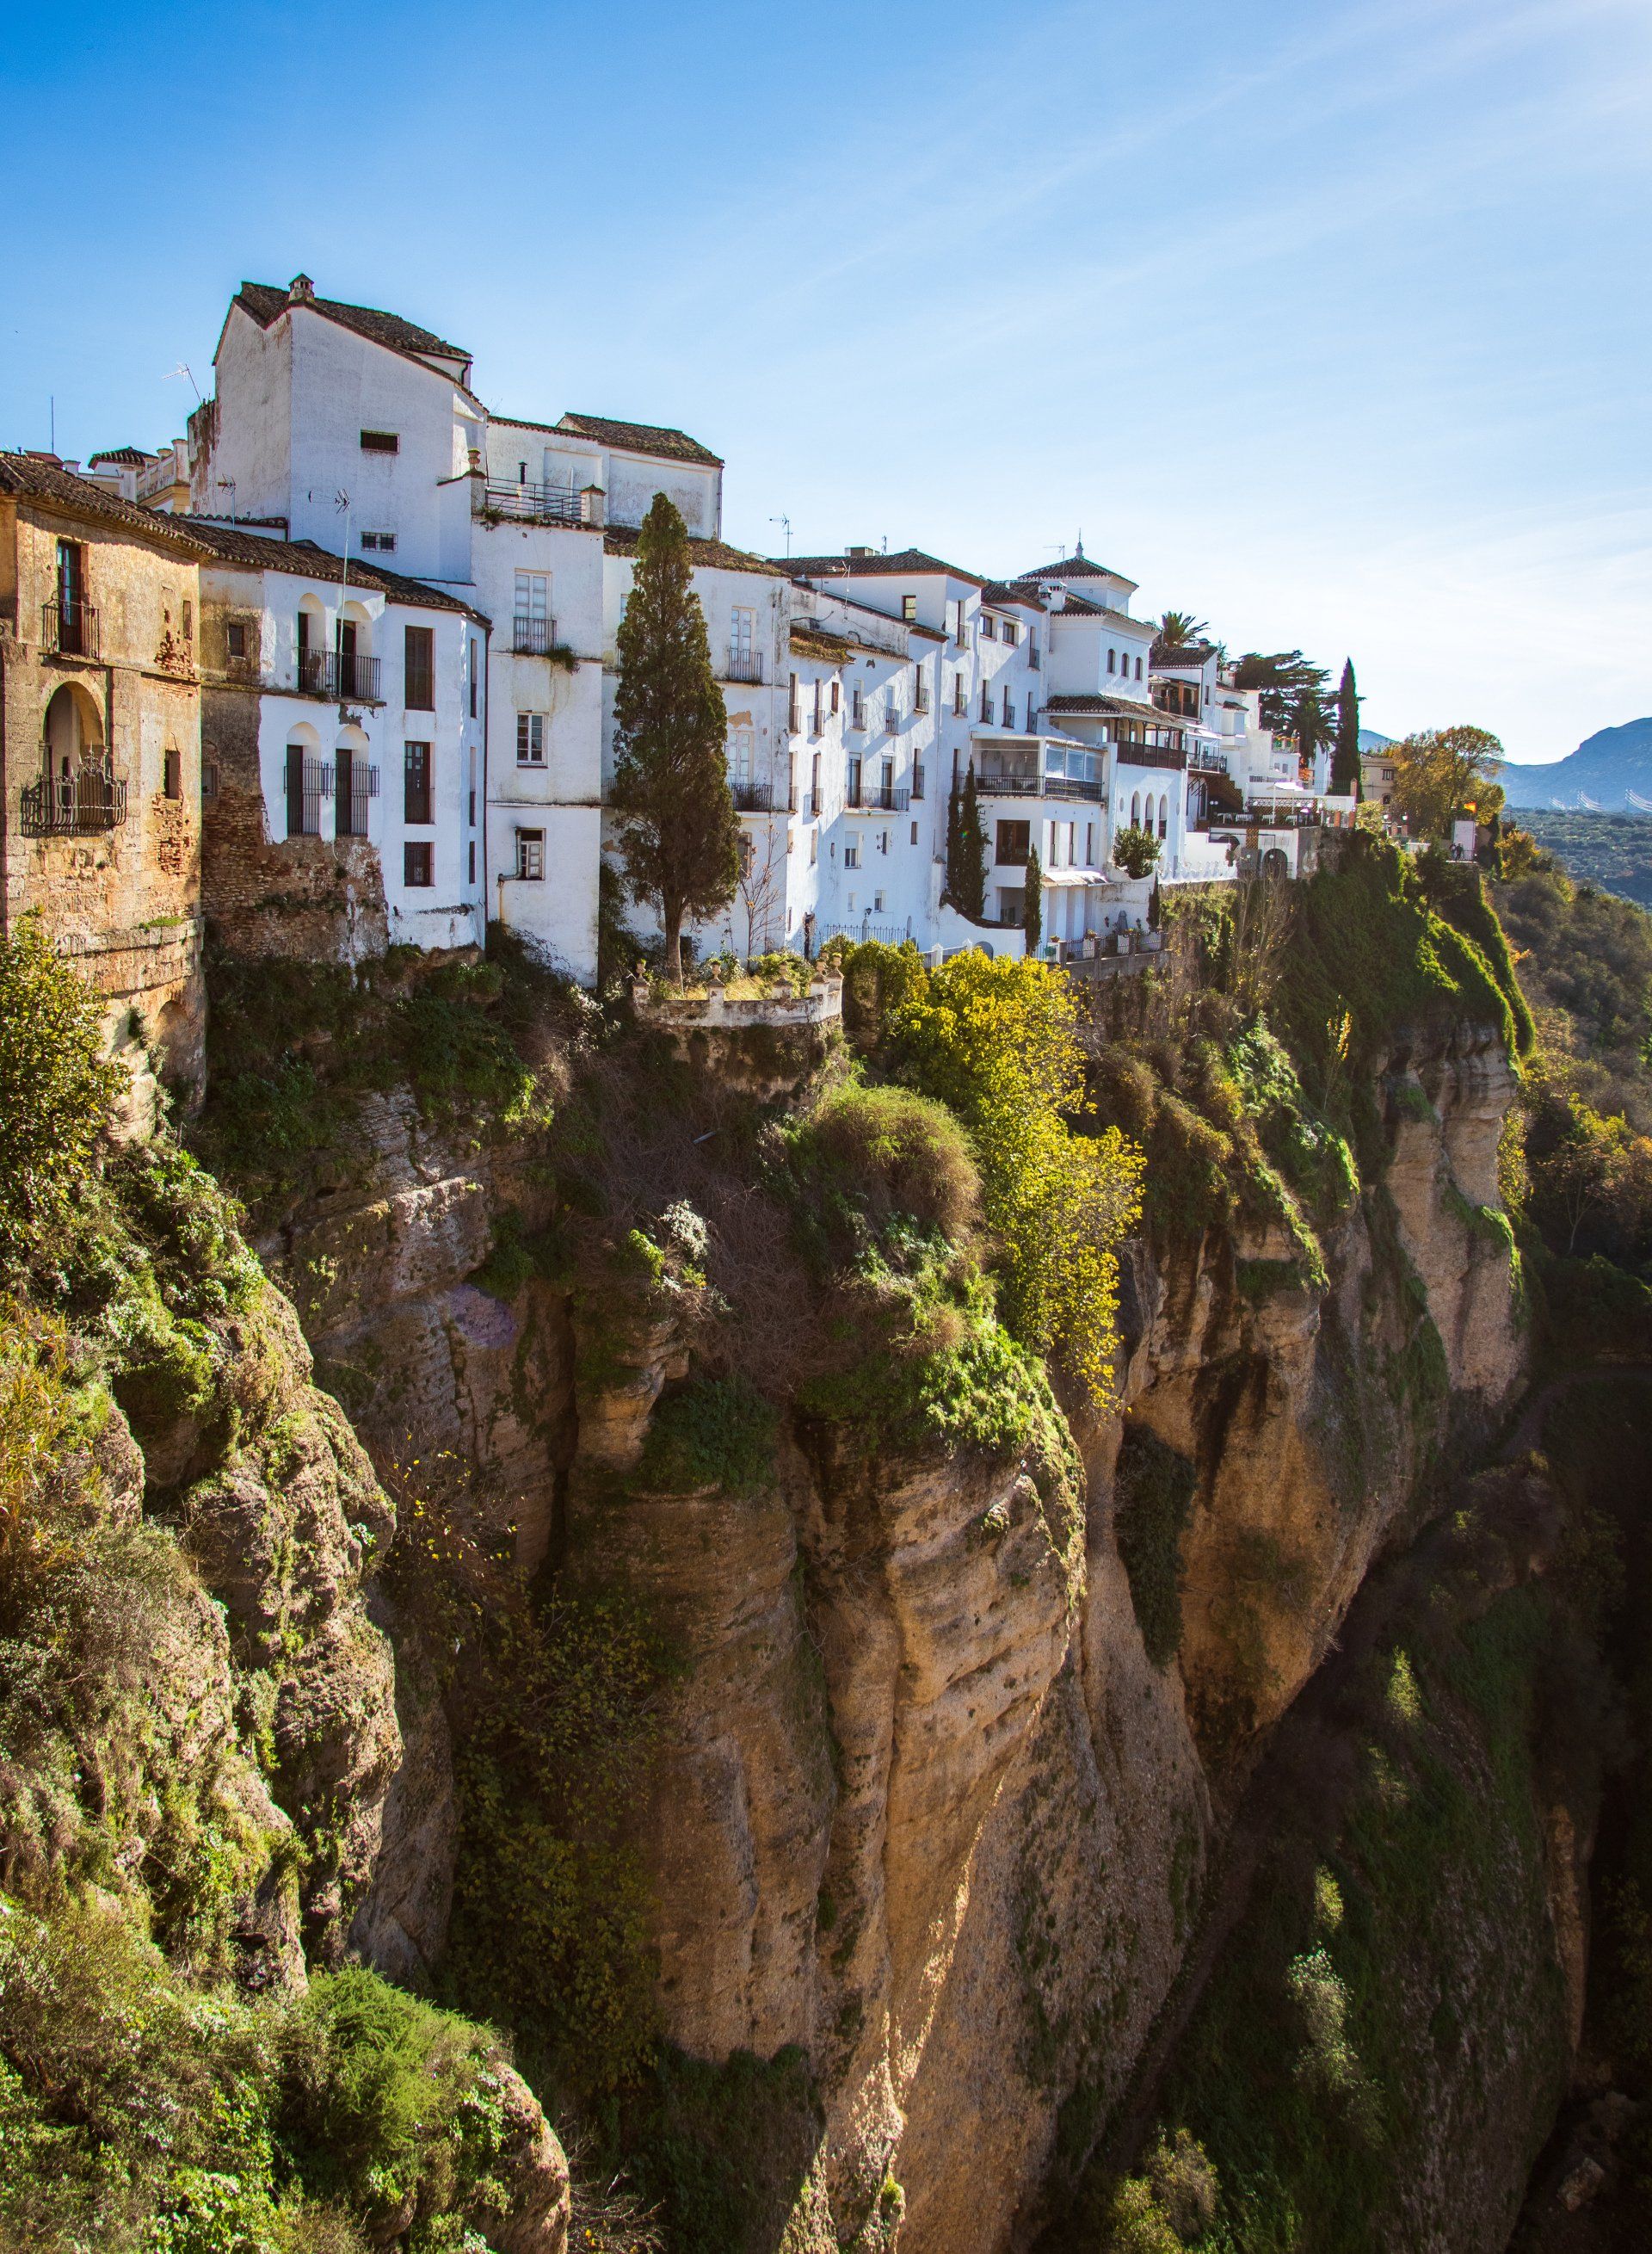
(340,703)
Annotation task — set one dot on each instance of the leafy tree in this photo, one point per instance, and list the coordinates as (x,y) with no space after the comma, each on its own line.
(966,849)
(1180,630)
(56,1085)
(1345,768)
(998,1041)
(679,832)
(1293,702)
(1446,774)
(1135,850)
(1032,912)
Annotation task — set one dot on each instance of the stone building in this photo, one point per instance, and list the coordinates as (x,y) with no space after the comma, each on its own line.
(100,751)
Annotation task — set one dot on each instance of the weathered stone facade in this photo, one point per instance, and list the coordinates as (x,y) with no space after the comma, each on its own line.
(100,753)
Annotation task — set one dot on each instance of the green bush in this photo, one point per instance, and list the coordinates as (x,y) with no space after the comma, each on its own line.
(711,1433)
(876,1151)
(1153,1487)
(56,1086)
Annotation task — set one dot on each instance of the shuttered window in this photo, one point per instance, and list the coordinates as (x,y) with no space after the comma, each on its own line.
(418,668)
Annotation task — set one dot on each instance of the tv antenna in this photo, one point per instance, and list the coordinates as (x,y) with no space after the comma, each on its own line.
(183,368)
(787,522)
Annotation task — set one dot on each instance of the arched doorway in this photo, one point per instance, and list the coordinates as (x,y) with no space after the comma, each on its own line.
(77,791)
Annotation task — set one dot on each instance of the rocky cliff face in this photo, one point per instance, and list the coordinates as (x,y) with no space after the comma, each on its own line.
(926,1802)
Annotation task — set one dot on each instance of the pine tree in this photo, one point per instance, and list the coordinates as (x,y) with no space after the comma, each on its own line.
(969,874)
(678,831)
(1033,912)
(1345,765)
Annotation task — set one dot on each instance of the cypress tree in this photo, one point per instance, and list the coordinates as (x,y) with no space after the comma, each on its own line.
(679,833)
(1032,912)
(969,878)
(955,816)
(1344,764)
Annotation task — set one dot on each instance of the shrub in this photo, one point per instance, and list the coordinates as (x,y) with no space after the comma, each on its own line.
(884,1151)
(1136,850)
(712,1432)
(1153,1487)
(56,1086)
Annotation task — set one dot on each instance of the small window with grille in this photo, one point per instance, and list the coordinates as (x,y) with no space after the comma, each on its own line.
(530,855)
(418,866)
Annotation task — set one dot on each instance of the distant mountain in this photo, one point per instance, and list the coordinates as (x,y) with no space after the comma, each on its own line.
(1370,741)
(1610,772)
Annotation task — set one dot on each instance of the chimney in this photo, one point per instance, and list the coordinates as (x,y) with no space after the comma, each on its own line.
(301,291)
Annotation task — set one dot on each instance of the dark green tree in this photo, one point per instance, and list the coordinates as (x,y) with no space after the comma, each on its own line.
(967,852)
(1292,701)
(1179,630)
(679,833)
(1032,909)
(1345,767)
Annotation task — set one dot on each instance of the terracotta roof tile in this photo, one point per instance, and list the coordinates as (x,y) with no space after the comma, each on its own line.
(26,476)
(266,302)
(712,555)
(233,544)
(654,439)
(904,563)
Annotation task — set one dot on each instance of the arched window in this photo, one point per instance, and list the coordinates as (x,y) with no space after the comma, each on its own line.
(1164,816)
(1135,809)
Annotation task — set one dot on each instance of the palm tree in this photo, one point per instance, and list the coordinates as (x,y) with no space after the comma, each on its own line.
(1180,630)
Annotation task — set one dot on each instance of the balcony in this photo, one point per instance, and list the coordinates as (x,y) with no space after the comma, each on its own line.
(758,798)
(1148,755)
(891,721)
(857,711)
(1019,782)
(1204,758)
(745,665)
(73,805)
(533,504)
(334,673)
(68,629)
(533,637)
(878,798)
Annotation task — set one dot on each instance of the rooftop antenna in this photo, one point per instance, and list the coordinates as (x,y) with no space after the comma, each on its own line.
(183,368)
(51,413)
(786,521)
(227,485)
(885,543)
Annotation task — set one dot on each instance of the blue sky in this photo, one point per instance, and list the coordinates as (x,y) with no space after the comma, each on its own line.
(1329,322)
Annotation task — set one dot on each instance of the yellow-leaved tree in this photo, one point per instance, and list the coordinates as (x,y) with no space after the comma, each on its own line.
(996,1041)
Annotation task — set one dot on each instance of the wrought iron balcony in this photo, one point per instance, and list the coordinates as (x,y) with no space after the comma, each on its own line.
(745,665)
(333,672)
(878,798)
(73,805)
(534,504)
(69,629)
(533,637)
(1148,755)
(891,721)
(758,798)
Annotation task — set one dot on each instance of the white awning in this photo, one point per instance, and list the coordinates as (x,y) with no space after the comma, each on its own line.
(1073,877)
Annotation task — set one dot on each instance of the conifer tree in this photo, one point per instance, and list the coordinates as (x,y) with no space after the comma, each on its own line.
(678,832)
(1345,765)
(955,815)
(1033,911)
(968,871)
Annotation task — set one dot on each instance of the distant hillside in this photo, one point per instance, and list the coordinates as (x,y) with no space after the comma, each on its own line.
(1370,741)
(1610,773)
(1612,850)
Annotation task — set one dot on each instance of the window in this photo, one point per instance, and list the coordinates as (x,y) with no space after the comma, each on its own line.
(986,701)
(1089,844)
(814,847)
(837,692)
(851,854)
(909,609)
(532,630)
(172,772)
(416,793)
(1009,709)
(1014,839)
(530,739)
(742,753)
(1012,632)
(852,782)
(418,866)
(960,693)
(1138,669)
(475,655)
(470,863)
(743,641)
(883,845)
(856,706)
(877,903)
(236,639)
(815,726)
(418,668)
(305,781)
(813,784)
(380,441)
(384,542)
(189,619)
(530,855)
(793,718)
(1112,666)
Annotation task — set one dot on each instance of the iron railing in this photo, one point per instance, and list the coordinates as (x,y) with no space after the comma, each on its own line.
(891,721)
(534,504)
(1009,783)
(358,782)
(335,672)
(69,629)
(745,665)
(857,710)
(878,798)
(759,798)
(533,637)
(73,805)
(1148,755)
(921,695)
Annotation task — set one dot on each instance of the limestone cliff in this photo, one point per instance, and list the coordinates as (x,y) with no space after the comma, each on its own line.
(924,1804)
